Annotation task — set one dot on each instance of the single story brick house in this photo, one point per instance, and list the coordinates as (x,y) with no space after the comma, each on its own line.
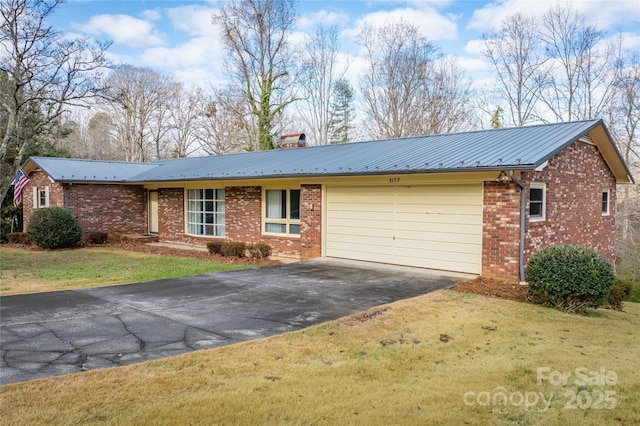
(474,202)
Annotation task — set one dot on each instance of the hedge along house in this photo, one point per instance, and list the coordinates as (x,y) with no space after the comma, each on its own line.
(475,202)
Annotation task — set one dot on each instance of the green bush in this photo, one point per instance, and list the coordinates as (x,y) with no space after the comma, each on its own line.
(54,227)
(233,249)
(98,237)
(570,278)
(260,250)
(620,290)
(215,247)
(18,238)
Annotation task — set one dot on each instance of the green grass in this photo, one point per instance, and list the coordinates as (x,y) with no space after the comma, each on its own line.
(26,271)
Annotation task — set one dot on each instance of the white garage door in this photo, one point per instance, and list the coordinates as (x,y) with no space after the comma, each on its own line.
(438,227)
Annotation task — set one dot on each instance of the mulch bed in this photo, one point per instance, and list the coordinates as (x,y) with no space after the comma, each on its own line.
(494,288)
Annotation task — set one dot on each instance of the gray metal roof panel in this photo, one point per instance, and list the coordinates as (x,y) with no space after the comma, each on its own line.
(507,148)
(77,170)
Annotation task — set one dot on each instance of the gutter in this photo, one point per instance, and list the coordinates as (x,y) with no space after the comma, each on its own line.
(522,214)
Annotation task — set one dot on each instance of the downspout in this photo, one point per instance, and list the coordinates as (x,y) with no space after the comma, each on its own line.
(522,215)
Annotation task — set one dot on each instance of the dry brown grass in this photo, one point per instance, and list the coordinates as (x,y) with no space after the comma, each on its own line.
(390,365)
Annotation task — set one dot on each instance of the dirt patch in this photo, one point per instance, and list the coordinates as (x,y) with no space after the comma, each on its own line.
(494,288)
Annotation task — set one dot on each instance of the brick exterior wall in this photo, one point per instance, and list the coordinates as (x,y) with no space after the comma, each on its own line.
(243,221)
(501,230)
(116,209)
(574,181)
(40,180)
(243,213)
(171,215)
(310,221)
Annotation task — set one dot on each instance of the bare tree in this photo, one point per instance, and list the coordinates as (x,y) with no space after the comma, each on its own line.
(41,72)
(256,33)
(400,62)
(218,127)
(184,119)
(318,76)
(580,81)
(624,123)
(448,95)
(138,102)
(515,53)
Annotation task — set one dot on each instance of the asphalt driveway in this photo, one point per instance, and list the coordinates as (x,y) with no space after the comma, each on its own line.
(50,334)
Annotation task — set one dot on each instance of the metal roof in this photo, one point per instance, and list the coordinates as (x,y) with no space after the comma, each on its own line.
(76,170)
(518,148)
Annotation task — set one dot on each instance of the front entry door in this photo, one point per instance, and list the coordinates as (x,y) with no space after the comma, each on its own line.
(153,212)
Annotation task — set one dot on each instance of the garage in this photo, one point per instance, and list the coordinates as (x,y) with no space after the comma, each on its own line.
(428,226)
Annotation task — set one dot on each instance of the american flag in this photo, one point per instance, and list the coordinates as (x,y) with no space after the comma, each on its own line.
(20,182)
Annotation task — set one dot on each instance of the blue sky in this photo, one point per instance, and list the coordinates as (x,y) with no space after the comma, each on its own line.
(178,37)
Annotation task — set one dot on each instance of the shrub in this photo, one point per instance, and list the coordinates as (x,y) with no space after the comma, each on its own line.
(54,227)
(620,290)
(260,250)
(233,249)
(98,237)
(18,238)
(215,247)
(571,278)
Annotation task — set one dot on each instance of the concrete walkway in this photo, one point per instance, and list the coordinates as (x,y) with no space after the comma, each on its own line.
(50,334)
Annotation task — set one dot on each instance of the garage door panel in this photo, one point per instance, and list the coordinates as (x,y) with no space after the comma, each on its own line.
(353,237)
(356,206)
(466,244)
(451,219)
(453,228)
(436,227)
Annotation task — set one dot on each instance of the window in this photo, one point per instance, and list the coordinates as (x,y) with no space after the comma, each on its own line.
(205,212)
(41,197)
(282,211)
(606,194)
(537,202)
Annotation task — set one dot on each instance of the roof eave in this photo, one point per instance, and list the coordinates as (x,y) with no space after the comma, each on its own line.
(496,168)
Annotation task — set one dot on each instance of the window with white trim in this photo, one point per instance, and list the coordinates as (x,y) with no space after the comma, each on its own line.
(40,197)
(537,202)
(205,212)
(281,211)
(606,201)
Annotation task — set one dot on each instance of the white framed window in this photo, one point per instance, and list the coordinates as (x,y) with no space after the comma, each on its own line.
(606,202)
(281,212)
(40,197)
(537,202)
(205,212)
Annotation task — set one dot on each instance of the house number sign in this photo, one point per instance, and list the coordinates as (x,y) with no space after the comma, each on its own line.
(394,180)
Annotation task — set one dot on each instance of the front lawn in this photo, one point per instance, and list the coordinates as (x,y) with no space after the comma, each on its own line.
(444,358)
(31,271)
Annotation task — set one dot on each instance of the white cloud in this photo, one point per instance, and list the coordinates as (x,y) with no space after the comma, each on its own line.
(474,47)
(308,23)
(429,22)
(604,14)
(151,15)
(196,51)
(122,29)
(194,20)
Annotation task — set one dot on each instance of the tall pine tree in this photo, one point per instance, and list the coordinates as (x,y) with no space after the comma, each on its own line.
(343,112)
